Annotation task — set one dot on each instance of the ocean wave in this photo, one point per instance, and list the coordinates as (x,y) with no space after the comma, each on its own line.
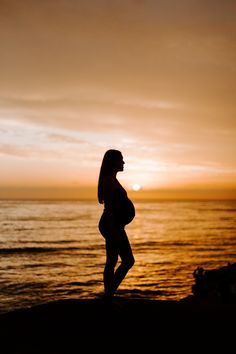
(50,218)
(231,210)
(23,288)
(48,241)
(46,227)
(22,250)
(142,293)
(221,228)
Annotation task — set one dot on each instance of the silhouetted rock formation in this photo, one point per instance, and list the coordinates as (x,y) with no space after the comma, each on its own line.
(215,285)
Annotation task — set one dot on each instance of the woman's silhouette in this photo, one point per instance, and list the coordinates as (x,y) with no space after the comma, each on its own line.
(118,212)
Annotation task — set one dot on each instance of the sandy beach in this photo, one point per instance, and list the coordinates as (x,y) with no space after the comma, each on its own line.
(122,325)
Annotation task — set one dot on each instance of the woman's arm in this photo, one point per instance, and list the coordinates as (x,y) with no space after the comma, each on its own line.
(109,188)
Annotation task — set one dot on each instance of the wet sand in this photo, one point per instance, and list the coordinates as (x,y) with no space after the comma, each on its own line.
(122,325)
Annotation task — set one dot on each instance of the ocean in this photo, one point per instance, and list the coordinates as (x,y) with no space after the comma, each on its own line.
(51,250)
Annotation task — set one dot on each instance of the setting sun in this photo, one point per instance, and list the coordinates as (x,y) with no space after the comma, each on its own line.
(136,187)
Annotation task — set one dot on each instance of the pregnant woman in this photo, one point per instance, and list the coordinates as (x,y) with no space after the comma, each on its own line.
(118,212)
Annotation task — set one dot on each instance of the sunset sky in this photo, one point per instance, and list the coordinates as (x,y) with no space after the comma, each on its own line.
(155,79)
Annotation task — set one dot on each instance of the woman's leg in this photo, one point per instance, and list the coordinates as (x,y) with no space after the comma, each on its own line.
(109,269)
(111,255)
(127,262)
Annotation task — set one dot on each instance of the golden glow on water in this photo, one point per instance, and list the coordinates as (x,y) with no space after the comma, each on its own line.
(54,250)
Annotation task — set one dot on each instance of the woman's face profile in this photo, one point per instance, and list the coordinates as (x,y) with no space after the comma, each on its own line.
(120,163)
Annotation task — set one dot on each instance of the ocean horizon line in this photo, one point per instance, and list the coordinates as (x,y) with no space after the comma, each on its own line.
(137,199)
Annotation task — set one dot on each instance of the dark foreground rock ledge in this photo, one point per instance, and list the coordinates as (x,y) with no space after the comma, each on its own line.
(122,325)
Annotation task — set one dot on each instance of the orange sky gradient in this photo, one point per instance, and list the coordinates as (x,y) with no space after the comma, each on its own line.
(154,79)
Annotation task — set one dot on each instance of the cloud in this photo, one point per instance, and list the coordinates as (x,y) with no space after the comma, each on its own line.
(117,44)
(101,118)
(28,151)
(65,139)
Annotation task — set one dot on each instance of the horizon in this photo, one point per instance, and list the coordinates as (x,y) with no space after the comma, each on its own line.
(90,194)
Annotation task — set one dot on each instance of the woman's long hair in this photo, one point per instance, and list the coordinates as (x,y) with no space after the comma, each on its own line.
(108,163)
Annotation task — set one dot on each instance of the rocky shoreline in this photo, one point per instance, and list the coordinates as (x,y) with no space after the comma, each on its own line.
(67,326)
